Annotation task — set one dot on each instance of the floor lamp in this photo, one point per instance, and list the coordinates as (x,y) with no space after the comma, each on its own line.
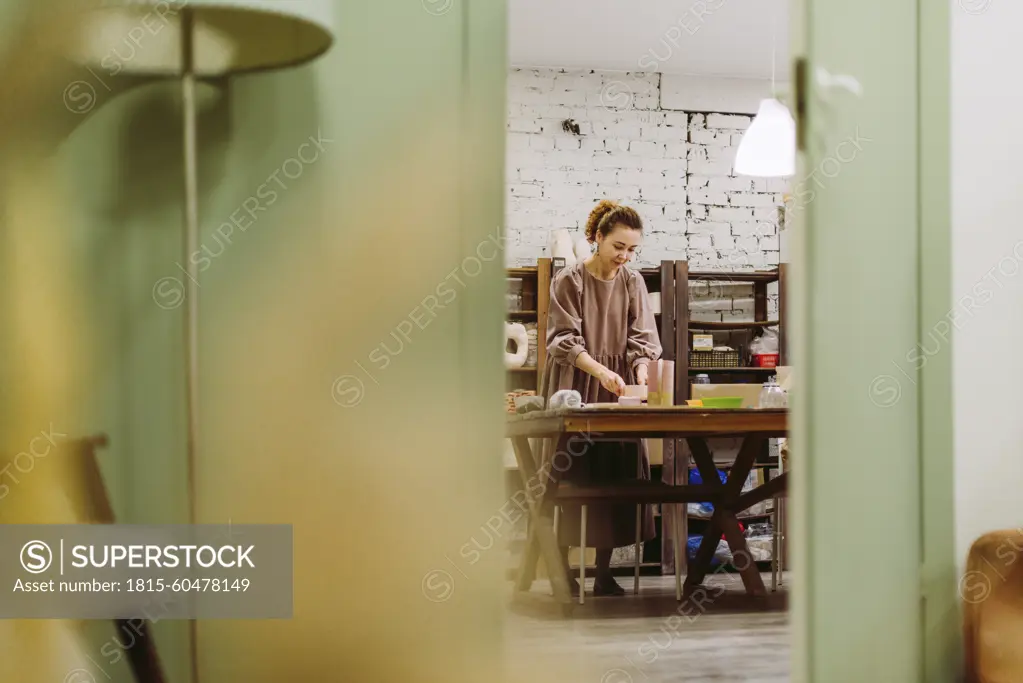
(192,40)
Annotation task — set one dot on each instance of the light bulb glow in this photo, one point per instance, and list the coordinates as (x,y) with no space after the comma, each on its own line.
(768,148)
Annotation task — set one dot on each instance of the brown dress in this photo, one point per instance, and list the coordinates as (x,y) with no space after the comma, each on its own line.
(612,321)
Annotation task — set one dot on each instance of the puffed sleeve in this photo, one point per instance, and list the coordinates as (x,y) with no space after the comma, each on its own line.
(644,344)
(564,318)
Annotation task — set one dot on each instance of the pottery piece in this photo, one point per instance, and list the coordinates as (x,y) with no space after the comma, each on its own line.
(516,333)
(560,246)
(639,391)
(581,248)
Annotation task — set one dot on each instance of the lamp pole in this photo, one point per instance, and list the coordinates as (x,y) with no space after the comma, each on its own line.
(191,246)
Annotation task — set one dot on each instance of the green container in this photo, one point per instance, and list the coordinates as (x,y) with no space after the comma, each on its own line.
(723,402)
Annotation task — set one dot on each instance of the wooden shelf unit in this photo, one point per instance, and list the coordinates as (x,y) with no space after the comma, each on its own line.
(536,293)
(759,280)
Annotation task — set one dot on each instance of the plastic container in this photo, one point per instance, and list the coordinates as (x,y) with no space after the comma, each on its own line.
(765,360)
(772,395)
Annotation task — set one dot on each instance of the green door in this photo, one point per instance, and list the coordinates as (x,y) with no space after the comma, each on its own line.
(872,505)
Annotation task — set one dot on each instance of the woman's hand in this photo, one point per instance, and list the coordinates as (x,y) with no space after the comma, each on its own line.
(612,382)
(641,374)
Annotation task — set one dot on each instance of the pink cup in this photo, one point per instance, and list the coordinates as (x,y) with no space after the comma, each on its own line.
(667,382)
(653,376)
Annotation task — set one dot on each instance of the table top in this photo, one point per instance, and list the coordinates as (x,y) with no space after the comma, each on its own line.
(651,422)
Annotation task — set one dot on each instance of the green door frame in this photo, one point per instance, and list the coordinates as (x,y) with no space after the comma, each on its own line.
(942,635)
(873,507)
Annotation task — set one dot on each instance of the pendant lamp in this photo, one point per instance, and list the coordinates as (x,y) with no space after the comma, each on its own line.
(191,40)
(768,149)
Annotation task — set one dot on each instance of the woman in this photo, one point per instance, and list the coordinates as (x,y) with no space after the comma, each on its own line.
(601,335)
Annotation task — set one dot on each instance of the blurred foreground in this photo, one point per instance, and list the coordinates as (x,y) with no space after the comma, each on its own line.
(385,469)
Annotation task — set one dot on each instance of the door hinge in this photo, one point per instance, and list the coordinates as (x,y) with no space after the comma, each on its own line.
(800,84)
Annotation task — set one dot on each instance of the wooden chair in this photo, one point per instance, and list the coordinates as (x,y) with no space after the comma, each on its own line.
(992,595)
(93,505)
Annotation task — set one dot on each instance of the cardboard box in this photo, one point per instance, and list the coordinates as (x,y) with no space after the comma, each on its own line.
(703,342)
(725,450)
(784,375)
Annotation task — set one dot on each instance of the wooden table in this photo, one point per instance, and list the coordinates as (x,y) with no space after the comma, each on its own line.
(571,429)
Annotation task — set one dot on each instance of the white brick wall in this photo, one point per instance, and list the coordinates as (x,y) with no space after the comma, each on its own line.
(674,167)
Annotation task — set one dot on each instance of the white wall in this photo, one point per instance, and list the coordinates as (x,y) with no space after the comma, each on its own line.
(987,227)
(662,144)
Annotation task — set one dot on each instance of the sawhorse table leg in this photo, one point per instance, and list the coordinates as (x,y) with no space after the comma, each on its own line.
(724,520)
(542,541)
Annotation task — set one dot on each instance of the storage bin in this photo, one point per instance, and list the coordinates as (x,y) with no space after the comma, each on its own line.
(713,359)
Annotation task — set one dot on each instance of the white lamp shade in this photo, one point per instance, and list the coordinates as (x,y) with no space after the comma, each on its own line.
(768,149)
(230,36)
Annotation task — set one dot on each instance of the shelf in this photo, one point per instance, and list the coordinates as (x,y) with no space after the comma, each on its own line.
(693,370)
(718,325)
(522,315)
(720,466)
(756,465)
(740,276)
(625,565)
(741,518)
(527,368)
(524,271)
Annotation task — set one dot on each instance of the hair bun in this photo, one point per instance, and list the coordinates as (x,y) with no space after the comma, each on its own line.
(603,207)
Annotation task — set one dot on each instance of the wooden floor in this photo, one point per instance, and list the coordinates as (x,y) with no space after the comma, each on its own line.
(723,636)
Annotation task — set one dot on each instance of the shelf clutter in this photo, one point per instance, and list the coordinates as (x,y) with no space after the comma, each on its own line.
(527,302)
(705,337)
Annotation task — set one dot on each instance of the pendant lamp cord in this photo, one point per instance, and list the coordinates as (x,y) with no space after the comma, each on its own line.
(773,19)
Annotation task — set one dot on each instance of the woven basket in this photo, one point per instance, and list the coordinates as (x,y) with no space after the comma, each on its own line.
(713,359)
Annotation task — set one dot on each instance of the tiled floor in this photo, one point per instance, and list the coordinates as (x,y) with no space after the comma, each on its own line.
(721,635)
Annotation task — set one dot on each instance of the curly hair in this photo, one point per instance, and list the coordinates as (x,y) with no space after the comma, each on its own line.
(606,215)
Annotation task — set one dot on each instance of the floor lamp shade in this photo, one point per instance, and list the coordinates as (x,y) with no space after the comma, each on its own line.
(229,36)
(768,149)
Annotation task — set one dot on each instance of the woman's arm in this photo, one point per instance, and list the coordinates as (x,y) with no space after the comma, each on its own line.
(565,342)
(644,344)
(610,380)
